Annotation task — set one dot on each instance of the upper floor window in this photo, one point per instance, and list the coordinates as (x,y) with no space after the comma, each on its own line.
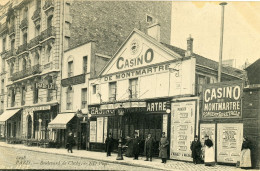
(49,21)
(38,4)
(12,98)
(84,93)
(25,12)
(69,98)
(133,88)
(112,91)
(70,68)
(37,30)
(201,80)
(94,89)
(3,65)
(25,38)
(50,92)
(4,44)
(12,44)
(35,94)
(11,68)
(36,58)
(24,63)
(23,96)
(2,86)
(85,64)
(48,54)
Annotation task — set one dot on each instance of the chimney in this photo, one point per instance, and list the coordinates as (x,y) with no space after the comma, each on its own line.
(189,50)
(154,31)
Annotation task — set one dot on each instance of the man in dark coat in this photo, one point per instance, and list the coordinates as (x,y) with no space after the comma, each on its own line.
(70,142)
(109,144)
(148,147)
(163,146)
(136,142)
(196,150)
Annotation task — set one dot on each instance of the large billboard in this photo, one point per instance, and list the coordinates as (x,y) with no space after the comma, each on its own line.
(222,100)
(182,129)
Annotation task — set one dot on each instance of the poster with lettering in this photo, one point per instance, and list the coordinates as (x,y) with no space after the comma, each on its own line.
(230,138)
(222,100)
(100,129)
(207,129)
(93,131)
(182,129)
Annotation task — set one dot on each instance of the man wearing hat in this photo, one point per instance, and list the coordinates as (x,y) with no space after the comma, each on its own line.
(196,150)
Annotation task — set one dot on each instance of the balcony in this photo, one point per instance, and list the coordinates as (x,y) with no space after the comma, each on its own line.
(24,24)
(49,4)
(36,69)
(3,28)
(10,53)
(11,30)
(50,32)
(22,48)
(36,15)
(79,79)
(34,42)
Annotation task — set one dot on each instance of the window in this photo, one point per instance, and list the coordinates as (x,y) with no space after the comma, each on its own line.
(133,88)
(23,95)
(2,86)
(48,54)
(112,91)
(49,21)
(70,68)
(49,92)
(69,98)
(12,98)
(35,94)
(11,68)
(85,64)
(201,80)
(94,89)
(25,13)
(37,58)
(37,30)
(3,65)
(84,97)
(12,44)
(38,4)
(149,19)
(24,63)
(4,44)
(25,38)
(66,42)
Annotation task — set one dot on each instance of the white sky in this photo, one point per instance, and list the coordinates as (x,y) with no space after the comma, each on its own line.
(203,19)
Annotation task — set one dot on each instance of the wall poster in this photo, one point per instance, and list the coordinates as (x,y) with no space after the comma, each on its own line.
(182,129)
(165,123)
(105,129)
(230,138)
(93,131)
(100,129)
(207,129)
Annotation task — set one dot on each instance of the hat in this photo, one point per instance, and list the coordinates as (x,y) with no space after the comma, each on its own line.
(196,136)
(206,135)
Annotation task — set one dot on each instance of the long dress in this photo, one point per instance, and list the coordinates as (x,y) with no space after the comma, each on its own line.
(129,150)
(209,153)
(163,147)
(136,142)
(245,157)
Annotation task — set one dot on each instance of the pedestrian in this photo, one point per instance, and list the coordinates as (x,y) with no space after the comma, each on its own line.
(163,146)
(196,150)
(209,152)
(70,142)
(245,157)
(148,147)
(136,142)
(109,144)
(129,144)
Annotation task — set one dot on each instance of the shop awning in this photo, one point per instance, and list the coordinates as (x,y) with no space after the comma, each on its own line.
(7,115)
(61,120)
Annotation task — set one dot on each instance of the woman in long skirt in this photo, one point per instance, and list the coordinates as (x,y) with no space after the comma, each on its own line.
(209,152)
(245,157)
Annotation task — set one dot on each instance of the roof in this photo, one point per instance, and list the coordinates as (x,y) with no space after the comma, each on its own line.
(251,72)
(203,61)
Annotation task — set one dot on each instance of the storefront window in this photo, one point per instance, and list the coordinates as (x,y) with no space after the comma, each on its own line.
(133,88)
(112,91)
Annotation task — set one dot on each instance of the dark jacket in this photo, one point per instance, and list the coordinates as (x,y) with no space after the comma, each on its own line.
(148,147)
(70,141)
(109,144)
(208,143)
(136,142)
(163,146)
(129,151)
(196,149)
(246,145)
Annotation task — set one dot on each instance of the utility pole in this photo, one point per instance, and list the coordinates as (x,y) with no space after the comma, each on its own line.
(221,41)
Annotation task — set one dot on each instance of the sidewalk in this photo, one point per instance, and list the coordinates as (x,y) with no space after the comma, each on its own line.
(101,156)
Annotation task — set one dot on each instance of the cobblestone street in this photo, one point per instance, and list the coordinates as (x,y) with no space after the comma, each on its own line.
(23,157)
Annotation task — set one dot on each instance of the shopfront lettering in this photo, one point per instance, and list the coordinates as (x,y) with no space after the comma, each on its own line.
(49,86)
(140,60)
(156,106)
(222,92)
(98,111)
(37,108)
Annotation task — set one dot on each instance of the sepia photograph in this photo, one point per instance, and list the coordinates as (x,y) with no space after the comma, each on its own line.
(129,85)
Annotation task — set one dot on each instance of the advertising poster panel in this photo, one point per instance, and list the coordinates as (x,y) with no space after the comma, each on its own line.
(207,129)
(182,129)
(100,129)
(93,131)
(230,138)
(222,100)
(105,129)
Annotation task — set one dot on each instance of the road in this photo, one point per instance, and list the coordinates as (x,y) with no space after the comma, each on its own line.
(11,158)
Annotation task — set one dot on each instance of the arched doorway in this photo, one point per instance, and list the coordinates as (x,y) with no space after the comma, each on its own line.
(29,129)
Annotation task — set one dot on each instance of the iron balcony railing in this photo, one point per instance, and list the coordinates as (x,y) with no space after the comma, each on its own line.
(11,30)
(24,23)
(10,53)
(48,4)
(34,42)
(36,14)
(36,69)
(22,48)
(48,33)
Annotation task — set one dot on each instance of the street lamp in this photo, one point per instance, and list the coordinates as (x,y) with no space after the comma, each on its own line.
(120,112)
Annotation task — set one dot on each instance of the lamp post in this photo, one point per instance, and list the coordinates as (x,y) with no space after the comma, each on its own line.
(221,41)
(120,112)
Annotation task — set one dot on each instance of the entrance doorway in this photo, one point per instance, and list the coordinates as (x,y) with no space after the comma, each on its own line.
(29,128)
(83,136)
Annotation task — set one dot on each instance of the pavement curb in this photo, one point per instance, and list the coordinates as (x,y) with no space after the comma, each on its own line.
(102,160)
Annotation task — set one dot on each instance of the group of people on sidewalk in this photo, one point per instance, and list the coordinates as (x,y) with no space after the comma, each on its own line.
(207,154)
(133,146)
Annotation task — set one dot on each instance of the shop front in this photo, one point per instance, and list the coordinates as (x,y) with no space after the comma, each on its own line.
(10,121)
(221,119)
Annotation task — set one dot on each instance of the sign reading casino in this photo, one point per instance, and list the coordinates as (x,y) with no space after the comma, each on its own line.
(222,100)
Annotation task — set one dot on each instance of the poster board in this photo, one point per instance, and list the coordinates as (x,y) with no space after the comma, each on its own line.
(165,123)
(208,129)
(182,129)
(230,138)
(93,131)
(100,129)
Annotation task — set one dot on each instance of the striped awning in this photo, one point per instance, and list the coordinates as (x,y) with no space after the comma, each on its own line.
(7,115)
(61,120)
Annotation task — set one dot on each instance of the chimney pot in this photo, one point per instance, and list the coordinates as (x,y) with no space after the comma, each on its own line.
(189,50)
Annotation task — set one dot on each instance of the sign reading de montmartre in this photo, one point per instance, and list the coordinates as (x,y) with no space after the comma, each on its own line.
(222,100)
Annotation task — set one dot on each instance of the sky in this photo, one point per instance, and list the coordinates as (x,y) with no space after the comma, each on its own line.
(202,20)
